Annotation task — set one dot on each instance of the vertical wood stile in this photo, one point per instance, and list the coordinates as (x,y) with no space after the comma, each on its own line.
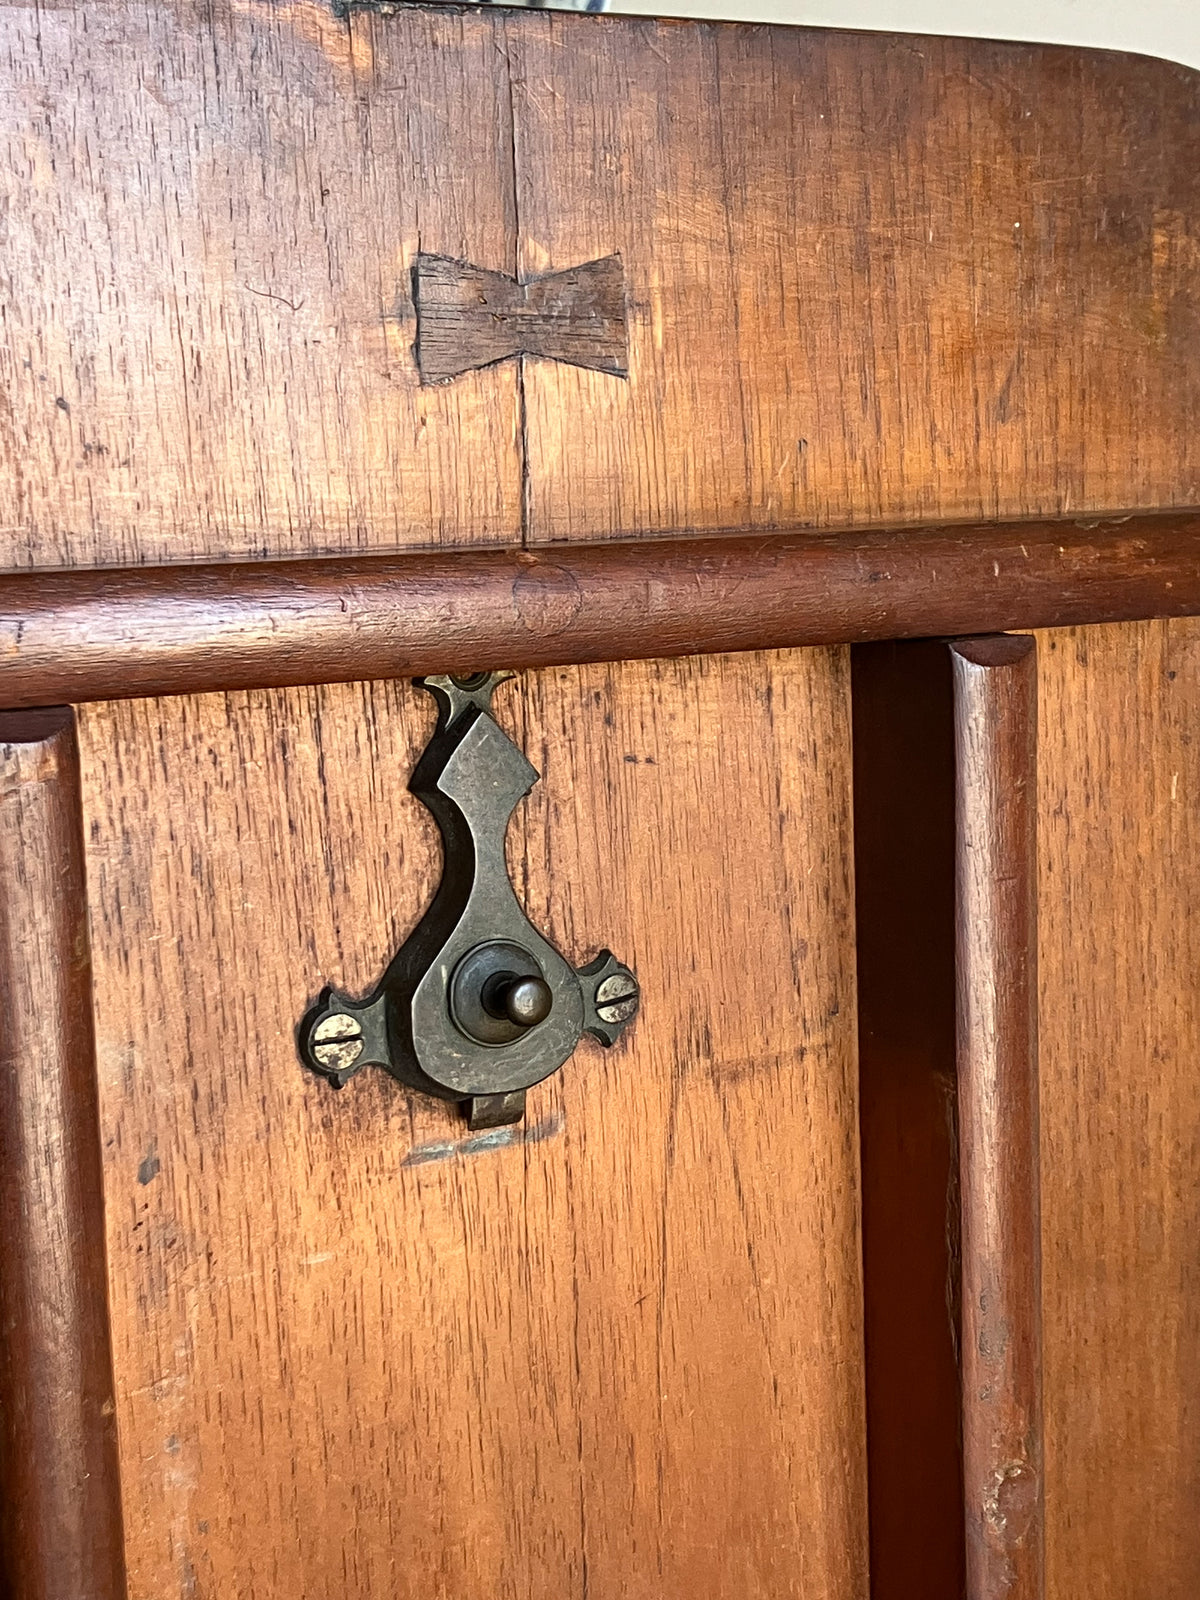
(995,719)
(60,1514)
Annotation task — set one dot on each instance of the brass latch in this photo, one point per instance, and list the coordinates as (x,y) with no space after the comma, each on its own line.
(476,1006)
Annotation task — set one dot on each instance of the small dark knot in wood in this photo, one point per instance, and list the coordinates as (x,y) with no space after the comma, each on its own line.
(468,317)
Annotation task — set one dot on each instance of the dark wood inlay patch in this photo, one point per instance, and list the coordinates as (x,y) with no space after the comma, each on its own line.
(469,317)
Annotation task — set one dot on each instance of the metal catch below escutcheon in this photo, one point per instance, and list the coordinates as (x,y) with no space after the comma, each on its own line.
(476,1006)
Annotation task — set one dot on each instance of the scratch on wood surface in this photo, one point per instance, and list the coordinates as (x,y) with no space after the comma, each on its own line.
(484,1143)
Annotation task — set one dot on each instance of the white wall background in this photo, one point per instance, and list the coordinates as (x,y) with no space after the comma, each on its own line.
(1168,28)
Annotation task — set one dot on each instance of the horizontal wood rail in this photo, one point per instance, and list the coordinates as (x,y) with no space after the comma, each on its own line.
(76,635)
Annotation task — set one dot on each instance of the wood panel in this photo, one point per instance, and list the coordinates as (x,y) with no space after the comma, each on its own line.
(362,1352)
(210,214)
(869,276)
(1120,1106)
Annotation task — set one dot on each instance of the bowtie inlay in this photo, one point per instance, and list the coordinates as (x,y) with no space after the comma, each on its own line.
(469,317)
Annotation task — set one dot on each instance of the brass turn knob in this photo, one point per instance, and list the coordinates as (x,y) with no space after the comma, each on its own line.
(524,1001)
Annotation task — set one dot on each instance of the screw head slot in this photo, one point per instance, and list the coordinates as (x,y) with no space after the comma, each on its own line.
(498,993)
(336,1043)
(617,997)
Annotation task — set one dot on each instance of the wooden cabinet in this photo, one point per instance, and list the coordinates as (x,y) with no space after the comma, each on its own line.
(891,353)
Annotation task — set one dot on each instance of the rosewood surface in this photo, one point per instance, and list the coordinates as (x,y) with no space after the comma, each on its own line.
(1119,865)
(870,282)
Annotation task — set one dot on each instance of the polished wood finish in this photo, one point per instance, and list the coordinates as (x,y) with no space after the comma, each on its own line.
(60,1503)
(871,279)
(904,874)
(995,711)
(362,1351)
(1119,849)
(171,630)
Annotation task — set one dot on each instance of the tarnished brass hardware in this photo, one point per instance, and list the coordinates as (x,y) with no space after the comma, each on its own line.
(476,1006)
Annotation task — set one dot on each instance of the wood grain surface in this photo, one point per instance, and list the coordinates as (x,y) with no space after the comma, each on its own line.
(87,635)
(211,216)
(60,1494)
(1120,1107)
(869,278)
(360,1351)
(996,890)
